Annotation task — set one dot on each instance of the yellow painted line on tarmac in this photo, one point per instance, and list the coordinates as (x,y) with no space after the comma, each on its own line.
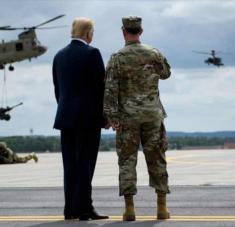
(119,218)
(170,160)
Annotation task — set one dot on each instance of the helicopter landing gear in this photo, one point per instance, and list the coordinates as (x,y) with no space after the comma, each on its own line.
(11,68)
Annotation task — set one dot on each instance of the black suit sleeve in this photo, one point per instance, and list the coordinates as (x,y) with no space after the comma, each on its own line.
(56,88)
(97,68)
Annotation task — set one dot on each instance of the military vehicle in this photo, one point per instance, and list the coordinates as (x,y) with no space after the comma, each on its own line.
(26,47)
(4,112)
(213,59)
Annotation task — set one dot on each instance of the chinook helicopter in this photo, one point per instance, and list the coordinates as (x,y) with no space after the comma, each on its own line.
(26,47)
(211,60)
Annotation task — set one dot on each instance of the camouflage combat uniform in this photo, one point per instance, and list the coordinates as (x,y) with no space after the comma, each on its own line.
(132,99)
(7,156)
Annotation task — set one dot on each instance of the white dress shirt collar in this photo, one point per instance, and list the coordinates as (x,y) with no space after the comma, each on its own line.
(81,40)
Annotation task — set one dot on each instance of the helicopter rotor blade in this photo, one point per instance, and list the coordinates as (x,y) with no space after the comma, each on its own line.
(62,26)
(4,27)
(201,52)
(229,53)
(222,52)
(55,18)
(31,28)
(9,28)
(12,29)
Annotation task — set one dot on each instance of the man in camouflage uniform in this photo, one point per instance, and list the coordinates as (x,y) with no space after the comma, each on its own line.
(7,156)
(133,107)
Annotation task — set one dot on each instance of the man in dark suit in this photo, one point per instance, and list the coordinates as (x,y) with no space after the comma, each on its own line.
(78,76)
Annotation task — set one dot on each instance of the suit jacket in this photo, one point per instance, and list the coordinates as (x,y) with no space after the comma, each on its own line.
(78,77)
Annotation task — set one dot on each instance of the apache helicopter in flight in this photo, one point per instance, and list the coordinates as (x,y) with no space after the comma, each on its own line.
(211,60)
(26,47)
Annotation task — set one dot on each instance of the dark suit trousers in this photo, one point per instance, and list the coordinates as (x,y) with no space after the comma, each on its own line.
(79,153)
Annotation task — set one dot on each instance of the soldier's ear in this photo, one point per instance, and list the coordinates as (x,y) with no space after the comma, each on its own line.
(141,31)
(124,32)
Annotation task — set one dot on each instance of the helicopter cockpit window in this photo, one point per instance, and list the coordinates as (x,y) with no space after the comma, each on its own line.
(19,46)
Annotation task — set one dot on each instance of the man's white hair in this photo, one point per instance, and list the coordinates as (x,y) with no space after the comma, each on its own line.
(81,26)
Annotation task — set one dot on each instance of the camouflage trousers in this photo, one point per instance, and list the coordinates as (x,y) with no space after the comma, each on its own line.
(18,159)
(14,158)
(152,136)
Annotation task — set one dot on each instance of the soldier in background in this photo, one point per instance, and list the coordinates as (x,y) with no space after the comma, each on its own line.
(133,107)
(7,156)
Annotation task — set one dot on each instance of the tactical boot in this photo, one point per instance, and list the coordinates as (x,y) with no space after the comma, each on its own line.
(27,158)
(129,214)
(162,211)
(34,157)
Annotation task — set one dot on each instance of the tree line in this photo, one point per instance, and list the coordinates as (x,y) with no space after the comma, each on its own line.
(108,143)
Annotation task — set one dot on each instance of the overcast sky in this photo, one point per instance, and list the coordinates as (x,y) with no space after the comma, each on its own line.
(197,97)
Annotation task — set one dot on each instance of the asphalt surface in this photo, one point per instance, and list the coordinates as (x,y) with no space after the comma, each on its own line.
(185,167)
(189,206)
(31,194)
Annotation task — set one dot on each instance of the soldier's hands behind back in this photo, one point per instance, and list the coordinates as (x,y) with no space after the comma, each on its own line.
(115,126)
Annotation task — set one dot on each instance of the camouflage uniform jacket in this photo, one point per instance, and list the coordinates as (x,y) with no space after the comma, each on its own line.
(131,90)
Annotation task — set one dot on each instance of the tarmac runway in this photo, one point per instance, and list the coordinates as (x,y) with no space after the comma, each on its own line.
(189,205)
(202,185)
(185,167)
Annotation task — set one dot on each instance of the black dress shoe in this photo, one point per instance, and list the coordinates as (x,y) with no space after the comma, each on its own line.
(70,217)
(93,215)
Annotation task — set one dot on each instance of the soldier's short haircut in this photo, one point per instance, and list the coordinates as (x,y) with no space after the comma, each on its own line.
(81,26)
(133,31)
